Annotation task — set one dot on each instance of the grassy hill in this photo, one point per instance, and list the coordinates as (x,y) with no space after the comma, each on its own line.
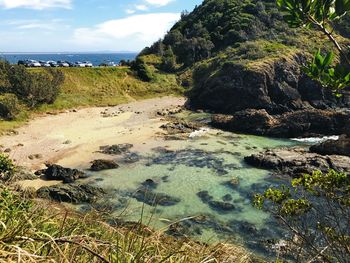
(88,87)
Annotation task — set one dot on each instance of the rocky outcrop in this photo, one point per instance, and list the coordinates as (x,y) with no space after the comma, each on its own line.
(59,173)
(298,161)
(100,165)
(277,85)
(116,149)
(309,122)
(219,206)
(147,196)
(340,147)
(71,193)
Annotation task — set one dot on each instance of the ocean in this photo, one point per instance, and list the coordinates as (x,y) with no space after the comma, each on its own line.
(95,59)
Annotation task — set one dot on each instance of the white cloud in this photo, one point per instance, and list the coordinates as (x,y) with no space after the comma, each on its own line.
(26,24)
(141,7)
(159,2)
(130,11)
(36,4)
(131,33)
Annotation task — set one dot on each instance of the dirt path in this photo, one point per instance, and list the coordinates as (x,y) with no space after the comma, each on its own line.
(72,138)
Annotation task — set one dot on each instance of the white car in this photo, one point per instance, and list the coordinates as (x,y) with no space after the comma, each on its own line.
(34,64)
(88,64)
(79,64)
(63,64)
(44,64)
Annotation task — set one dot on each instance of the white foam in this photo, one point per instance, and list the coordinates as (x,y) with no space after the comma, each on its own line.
(316,139)
(199,133)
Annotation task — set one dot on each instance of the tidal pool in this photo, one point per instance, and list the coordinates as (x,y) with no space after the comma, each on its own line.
(206,186)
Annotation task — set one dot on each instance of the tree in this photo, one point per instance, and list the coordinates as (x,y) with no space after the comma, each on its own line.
(316,210)
(168,60)
(321,15)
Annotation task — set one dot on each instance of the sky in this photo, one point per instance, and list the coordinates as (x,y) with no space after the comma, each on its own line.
(86,25)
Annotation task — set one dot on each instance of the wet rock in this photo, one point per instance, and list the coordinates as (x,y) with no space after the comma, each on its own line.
(131,158)
(67,175)
(184,229)
(154,199)
(116,149)
(297,161)
(233,183)
(71,193)
(100,165)
(306,122)
(227,198)
(150,184)
(338,147)
(35,156)
(221,206)
(205,196)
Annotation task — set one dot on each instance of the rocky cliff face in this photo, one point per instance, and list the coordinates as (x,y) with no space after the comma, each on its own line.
(277,85)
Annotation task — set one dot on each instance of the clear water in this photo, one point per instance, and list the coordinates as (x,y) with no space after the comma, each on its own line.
(95,59)
(202,164)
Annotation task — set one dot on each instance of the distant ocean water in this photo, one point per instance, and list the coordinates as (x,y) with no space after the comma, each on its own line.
(95,59)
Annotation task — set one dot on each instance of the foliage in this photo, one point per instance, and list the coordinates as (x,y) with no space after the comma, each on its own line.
(142,69)
(316,210)
(168,60)
(7,167)
(30,232)
(321,14)
(9,106)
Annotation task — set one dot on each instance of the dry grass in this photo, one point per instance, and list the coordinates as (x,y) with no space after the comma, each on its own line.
(45,232)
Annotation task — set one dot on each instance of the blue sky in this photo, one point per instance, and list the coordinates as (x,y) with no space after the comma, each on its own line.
(86,25)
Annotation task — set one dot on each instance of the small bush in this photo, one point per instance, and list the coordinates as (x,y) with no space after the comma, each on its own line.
(9,106)
(142,70)
(7,167)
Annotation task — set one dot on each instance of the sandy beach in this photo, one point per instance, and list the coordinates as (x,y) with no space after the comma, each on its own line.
(73,138)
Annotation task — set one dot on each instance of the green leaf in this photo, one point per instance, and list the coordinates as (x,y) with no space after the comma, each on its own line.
(328,59)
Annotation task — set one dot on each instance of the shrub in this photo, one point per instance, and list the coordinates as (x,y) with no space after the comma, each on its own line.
(142,70)
(7,167)
(9,106)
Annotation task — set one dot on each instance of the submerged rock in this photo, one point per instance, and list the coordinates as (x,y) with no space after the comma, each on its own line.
(149,183)
(100,165)
(67,175)
(221,206)
(151,198)
(71,193)
(116,149)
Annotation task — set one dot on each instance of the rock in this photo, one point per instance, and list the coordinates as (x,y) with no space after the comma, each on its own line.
(100,165)
(338,147)
(150,184)
(71,193)
(116,149)
(277,85)
(297,161)
(154,199)
(307,122)
(179,126)
(131,158)
(35,156)
(234,182)
(221,206)
(227,198)
(7,150)
(204,196)
(67,175)
(67,142)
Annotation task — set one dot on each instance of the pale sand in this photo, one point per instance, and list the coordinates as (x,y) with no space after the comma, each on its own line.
(87,130)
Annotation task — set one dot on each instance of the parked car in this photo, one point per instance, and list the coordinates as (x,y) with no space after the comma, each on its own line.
(108,64)
(33,64)
(62,64)
(44,64)
(88,64)
(79,64)
(53,63)
(21,62)
(70,63)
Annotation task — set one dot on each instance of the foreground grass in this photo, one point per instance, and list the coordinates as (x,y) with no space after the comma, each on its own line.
(44,232)
(89,87)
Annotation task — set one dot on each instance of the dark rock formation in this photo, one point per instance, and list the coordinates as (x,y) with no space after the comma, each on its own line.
(100,165)
(340,147)
(276,85)
(71,193)
(116,149)
(307,122)
(149,183)
(151,198)
(214,204)
(297,161)
(57,172)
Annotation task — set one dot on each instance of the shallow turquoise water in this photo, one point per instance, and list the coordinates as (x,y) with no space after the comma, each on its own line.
(188,167)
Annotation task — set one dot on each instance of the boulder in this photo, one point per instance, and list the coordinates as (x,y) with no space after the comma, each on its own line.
(71,193)
(116,149)
(100,165)
(339,147)
(301,123)
(57,172)
(297,161)
(221,206)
